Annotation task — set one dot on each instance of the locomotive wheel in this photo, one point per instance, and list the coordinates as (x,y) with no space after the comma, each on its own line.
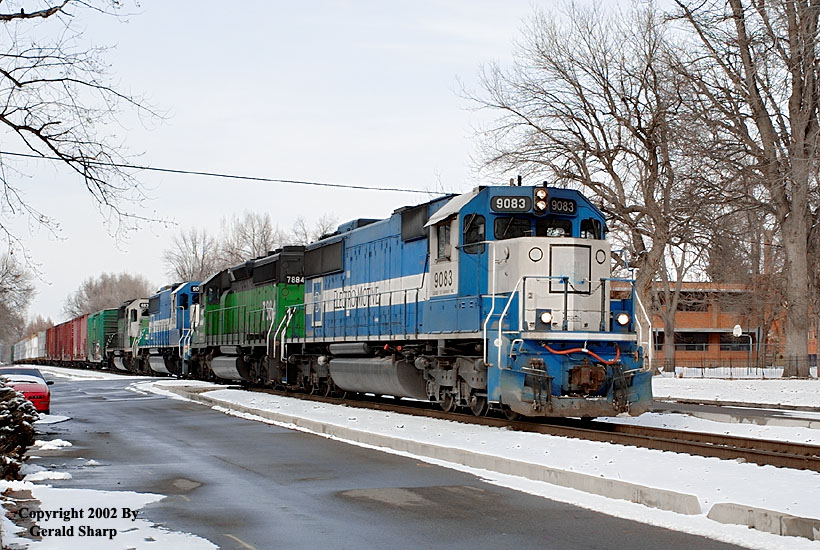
(509,414)
(479,405)
(448,402)
(329,387)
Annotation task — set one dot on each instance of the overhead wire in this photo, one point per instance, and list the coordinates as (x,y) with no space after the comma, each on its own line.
(227,176)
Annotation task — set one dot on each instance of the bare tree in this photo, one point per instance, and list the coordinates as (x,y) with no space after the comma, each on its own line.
(303,233)
(57,102)
(193,256)
(109,290)
(16,292)
(755,68)
(37,325)
(589,103)
(248,236)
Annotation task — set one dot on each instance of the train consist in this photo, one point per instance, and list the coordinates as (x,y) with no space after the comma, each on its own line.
(498,298)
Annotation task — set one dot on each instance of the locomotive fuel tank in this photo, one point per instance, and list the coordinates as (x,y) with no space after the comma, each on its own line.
(157,364)
(231,367)
(377,375)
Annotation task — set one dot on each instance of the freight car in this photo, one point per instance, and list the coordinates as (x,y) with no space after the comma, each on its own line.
(102,333)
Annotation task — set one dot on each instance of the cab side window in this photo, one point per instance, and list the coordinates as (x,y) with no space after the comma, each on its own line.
(213,295)
(443,236)
(133,315)
(474,233)
(591,229)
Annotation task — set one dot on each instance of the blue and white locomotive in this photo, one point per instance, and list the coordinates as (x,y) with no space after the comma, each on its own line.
(499,297)
(169,328)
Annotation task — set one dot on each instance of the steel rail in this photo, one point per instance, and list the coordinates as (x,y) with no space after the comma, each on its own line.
(764,452)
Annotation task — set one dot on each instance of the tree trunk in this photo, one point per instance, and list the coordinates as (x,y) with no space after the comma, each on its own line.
(796,306)
(668,341)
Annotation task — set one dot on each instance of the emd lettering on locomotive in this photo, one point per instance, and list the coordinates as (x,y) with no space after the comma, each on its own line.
(511,204)
(562,206)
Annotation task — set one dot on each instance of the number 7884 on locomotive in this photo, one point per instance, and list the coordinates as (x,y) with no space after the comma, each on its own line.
(501,297)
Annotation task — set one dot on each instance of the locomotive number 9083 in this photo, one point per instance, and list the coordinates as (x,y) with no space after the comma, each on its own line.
(562,206)
(443,279)
(511,204)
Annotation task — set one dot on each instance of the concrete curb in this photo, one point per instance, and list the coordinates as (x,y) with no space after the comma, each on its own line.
(769,521)
(766,520)
(611,488)
(721,403)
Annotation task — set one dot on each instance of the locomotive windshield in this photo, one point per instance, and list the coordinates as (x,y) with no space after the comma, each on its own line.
(508,227)
(553,227)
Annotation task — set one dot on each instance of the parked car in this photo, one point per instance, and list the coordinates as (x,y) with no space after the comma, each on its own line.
(18,369)
(32,385)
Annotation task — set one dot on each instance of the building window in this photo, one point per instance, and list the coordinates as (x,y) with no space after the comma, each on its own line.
(691,341)
(728,342)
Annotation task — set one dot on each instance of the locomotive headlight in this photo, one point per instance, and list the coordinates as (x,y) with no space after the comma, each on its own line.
(546,317)
(541,205)
(541,194)
(622,319)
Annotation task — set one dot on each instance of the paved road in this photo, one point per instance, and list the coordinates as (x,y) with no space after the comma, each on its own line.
(244,484)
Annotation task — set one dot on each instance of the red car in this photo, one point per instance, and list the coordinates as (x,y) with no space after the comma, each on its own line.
(30,383)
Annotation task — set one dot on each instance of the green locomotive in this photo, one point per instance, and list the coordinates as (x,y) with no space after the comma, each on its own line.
(242,316)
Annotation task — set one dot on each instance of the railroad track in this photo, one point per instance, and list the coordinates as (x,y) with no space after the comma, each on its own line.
(759,451)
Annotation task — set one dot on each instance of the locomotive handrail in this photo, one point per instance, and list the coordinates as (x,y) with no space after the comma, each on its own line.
(288,317)
(501,319)
(273,320)
(650,343)
(492,307)
(523,279)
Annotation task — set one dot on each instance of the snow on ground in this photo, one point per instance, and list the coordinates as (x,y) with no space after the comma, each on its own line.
(51,445)
(734,372)
(81,374)
(783,392)
(711,480)
(51,419)
(739,428)
(136,534)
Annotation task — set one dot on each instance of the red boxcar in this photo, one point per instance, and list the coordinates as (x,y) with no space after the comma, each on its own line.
(62,346)
(80,332)
(51,343)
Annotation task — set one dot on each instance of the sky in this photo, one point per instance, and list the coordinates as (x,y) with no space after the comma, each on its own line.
(363,92)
